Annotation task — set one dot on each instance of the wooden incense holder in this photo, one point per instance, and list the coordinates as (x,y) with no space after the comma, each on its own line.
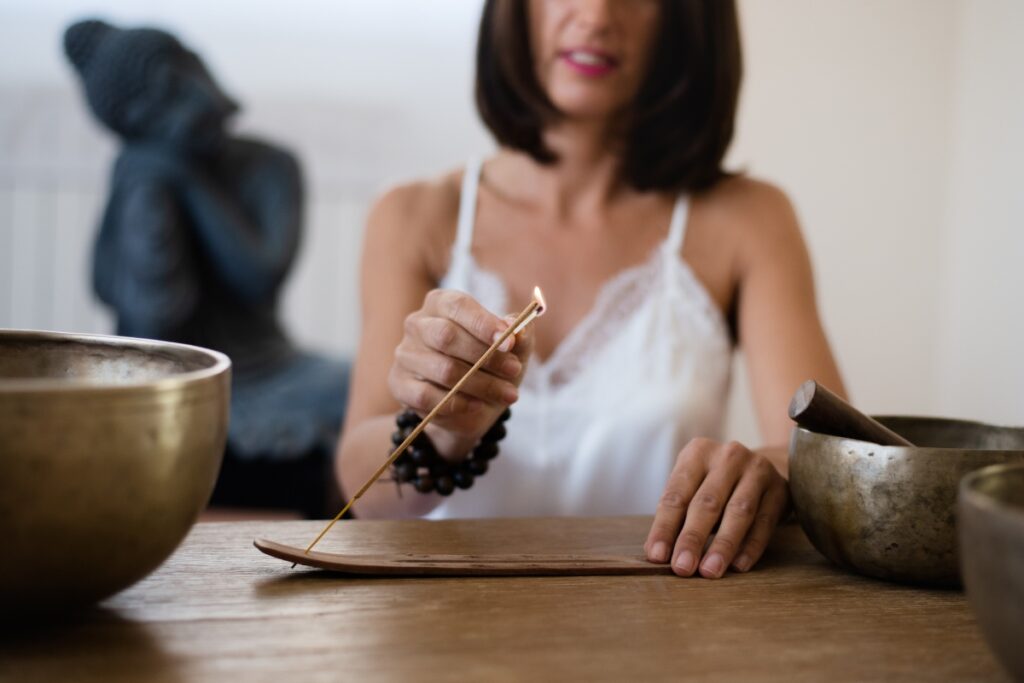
(819,410)
(432,564)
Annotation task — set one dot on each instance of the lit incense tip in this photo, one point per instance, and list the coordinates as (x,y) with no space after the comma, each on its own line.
(541,306)
(538,296)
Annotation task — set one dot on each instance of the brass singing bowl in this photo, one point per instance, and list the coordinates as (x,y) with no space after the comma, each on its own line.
(991,531)
(109,449)
(890,511)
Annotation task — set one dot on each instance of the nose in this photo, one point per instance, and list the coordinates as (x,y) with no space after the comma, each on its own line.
(210,92)
(212,97)
(593,14)
(202,89)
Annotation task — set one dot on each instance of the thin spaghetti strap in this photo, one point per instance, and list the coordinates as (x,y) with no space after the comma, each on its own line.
(467,208)
(677,226)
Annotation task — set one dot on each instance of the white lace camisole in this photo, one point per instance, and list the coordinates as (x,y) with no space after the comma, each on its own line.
(598,425)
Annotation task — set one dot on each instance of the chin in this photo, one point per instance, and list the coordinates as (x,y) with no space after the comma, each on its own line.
(587,102)
(588,110)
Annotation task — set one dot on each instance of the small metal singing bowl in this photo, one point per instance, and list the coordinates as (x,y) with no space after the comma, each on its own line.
(890,511)
(991,531)
(109,449)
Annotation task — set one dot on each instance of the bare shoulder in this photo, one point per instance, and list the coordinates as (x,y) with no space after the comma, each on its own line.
(420,203)
(751,206)
(758,217)
(417,219)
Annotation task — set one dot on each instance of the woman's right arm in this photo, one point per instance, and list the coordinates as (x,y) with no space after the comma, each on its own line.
(416,342)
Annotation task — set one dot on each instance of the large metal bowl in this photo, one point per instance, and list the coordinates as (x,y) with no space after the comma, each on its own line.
(889,511)
(991,530)
(109,449)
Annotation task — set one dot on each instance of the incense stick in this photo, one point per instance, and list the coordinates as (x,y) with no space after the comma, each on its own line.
(534,309)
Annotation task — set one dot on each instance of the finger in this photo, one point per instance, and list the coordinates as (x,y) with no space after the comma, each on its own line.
(703,512)
(467,313)
(768,515)
(422,396)
(445,371)
(523,346)
(448,338)
(737,519)
(683,482)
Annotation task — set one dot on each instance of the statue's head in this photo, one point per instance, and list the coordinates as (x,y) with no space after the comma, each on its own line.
(145,85)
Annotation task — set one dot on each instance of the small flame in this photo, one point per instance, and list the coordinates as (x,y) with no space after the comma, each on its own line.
(538,296)
(538,310)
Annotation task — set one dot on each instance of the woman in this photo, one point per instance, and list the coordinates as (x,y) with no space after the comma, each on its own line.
(608,192)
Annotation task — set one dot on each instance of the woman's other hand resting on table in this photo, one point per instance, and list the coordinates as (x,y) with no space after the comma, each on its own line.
(723,484)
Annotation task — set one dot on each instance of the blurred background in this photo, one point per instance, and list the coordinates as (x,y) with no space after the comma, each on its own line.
(896,127)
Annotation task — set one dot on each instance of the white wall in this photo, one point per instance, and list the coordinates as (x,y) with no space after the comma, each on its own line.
(981,366)
(846,105)
(892,125)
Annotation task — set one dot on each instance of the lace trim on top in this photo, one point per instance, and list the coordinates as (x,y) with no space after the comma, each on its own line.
(618,299)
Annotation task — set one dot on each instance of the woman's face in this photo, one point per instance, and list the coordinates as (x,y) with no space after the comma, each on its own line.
(591,56)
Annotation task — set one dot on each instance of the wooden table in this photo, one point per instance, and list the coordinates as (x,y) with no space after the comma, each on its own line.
(219,610)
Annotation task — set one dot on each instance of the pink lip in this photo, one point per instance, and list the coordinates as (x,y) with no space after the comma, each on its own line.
(591,70)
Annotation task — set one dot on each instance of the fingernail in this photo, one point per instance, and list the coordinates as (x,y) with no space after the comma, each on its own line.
(505,345)
(511,367)
(685,561)
(713,565)
(742,563)
(659,553)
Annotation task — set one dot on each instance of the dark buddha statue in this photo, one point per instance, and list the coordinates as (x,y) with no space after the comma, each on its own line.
(199,233)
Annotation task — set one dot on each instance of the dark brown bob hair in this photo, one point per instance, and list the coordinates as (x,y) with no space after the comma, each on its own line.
(682,120)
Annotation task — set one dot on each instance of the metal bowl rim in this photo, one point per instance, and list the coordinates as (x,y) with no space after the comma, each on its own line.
(913,449)
(970,495)
(44,385)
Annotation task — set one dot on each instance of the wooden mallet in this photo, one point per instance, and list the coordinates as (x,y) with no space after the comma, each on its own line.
(819,410)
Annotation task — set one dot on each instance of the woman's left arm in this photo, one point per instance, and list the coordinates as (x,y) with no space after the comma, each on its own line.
(744,491)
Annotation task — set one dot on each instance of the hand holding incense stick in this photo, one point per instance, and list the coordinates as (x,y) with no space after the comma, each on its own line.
(533,309)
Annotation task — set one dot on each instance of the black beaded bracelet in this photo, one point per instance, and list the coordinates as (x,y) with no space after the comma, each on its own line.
(423,467)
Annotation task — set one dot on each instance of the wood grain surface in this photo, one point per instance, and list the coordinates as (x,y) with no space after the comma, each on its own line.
(218,610)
